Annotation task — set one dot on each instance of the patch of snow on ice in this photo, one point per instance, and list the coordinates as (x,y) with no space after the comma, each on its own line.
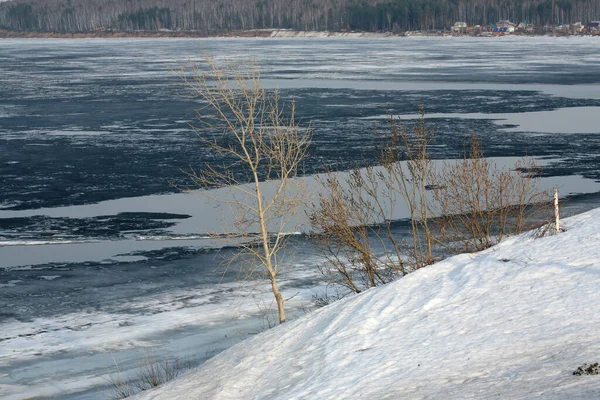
(48,277)
(10,283)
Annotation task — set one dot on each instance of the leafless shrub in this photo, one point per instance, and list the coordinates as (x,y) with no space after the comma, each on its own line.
(467,205)
(479,203)
(408,168)
(354,216)
(346,221)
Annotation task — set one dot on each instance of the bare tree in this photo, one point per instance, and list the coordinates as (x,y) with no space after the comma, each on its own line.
(265,148)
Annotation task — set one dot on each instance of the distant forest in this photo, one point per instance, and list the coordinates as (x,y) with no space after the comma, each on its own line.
(218,16)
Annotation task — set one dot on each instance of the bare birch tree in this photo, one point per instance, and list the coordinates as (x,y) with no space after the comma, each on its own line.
(265,147)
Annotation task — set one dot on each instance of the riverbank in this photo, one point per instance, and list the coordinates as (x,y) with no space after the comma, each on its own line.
(253,33)
(6,34)
(514,321)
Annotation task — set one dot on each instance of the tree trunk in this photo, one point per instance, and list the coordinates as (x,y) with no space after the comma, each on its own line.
(279,299)
(264,231)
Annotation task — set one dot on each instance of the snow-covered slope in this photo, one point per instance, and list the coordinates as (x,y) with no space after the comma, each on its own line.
(512,322)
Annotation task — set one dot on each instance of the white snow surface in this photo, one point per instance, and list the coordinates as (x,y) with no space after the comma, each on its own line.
(512,322)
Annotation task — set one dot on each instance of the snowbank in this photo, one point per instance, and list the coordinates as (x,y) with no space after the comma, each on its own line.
(512,322)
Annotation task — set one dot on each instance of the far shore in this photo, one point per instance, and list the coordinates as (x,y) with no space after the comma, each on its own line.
(254,33)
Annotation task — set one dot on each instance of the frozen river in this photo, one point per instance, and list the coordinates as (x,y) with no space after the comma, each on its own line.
(100,258)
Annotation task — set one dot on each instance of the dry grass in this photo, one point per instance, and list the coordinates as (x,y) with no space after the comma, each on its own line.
(153,372)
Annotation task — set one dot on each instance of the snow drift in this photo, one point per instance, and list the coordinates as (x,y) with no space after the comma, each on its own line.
(513,322)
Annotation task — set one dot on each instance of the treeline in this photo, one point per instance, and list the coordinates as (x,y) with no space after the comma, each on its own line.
(334,15)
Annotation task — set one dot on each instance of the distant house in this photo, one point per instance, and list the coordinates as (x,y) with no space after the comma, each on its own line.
(506,24)
(578,27)
(594,26)
(460,26)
